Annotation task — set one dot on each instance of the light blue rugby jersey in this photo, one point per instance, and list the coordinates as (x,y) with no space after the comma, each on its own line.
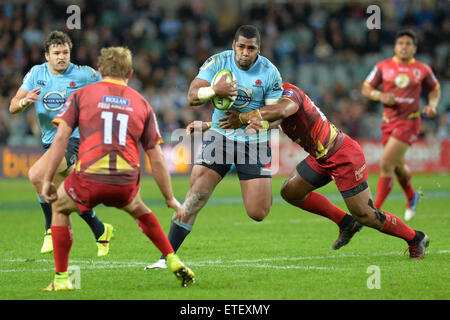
(55,91)
(256,86)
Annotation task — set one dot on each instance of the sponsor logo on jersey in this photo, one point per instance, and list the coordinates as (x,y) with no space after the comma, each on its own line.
(277,86)
(402,80)
(54,100)
(359,174)
(288,93)
(417,74)
(74,196)
(404,100)
(116,100)
(243,98)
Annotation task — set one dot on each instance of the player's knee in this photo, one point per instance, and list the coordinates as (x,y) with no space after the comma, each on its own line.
(290,195)
(402,172)
(387,167)
(60,210)
(369,216)
(258,214)
(34,176)
(366,218)
(137,208)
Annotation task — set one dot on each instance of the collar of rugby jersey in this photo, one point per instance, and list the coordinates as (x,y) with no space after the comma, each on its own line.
(119,82)
(397,60)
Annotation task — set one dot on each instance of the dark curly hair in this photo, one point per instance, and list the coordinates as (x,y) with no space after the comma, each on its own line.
(57,38)
(249,32)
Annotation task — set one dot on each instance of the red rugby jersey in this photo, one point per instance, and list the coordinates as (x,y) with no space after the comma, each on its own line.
(112,118)
(309,127)
(405,81)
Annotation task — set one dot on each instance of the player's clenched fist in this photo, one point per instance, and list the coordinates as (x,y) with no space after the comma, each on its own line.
(387,98)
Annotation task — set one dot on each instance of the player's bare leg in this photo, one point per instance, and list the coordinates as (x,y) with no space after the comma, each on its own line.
(298,192)
(393,165)
(296,189)
(257,196)
(359,207)
(35,175)
(203,181)
(393,155)
(36,172)
(363,210)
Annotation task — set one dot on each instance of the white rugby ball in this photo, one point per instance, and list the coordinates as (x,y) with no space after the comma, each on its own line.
(219,102)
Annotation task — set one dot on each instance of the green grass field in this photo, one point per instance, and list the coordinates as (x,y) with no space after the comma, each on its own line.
(288,256)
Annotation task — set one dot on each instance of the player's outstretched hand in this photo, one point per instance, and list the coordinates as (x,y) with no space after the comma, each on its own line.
(195,126)
(179,210)
(429,111)
(231,120)
(49,191)
(32,95)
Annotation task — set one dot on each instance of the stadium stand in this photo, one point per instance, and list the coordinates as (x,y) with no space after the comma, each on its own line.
(326,48)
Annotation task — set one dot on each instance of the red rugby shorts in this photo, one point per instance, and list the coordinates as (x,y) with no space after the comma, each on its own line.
(88,194)
(406,131)
(347,167)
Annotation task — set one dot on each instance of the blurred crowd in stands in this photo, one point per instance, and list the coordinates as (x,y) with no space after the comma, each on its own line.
(324,48)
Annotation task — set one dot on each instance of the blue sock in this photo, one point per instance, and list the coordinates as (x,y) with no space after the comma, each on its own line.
(47,209)
(94,222)
(178,232)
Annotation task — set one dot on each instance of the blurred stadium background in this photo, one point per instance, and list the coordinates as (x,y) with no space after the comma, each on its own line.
(324,47)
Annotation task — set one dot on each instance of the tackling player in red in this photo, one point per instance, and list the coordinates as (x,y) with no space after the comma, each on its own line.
(332,156)
(112,119)
(401,78)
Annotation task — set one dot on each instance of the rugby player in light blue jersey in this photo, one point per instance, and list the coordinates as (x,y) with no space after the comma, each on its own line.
(258,83)
(48,86)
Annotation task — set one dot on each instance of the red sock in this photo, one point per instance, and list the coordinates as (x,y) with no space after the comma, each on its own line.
(150,226)
(384,187)
(62,243)
(397,228)
(407,187)
(319,204)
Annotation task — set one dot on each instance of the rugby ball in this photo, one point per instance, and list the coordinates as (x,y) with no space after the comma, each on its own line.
(219,102)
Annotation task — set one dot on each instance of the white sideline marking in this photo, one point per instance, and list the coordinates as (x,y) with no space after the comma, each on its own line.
(310,219)
(238,263)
